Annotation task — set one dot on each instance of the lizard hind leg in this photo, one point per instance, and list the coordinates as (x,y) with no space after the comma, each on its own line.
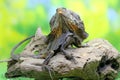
(69,40)
(68,56)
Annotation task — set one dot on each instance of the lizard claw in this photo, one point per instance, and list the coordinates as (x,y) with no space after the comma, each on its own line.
(49,69)
(73,60)
(70,57)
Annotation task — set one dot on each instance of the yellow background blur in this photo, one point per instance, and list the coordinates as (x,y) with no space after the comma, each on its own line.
(20,19)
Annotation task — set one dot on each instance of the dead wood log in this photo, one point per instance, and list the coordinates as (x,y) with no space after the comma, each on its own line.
(99,61)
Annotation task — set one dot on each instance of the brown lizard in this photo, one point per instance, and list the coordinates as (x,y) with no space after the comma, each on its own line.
(66,29)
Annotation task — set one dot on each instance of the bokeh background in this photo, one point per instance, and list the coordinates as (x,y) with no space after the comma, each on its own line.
(20,19)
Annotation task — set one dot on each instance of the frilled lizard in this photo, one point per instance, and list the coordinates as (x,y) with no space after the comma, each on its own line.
(66,29)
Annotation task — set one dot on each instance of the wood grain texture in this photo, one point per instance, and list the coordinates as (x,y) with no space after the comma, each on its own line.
(99,61)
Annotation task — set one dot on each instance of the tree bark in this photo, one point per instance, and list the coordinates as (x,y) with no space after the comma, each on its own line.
(98,61)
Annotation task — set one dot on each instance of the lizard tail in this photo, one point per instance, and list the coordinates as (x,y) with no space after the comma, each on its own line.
(1,61)
(13,50)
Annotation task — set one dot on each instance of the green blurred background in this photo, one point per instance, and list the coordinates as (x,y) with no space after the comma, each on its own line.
(20,19)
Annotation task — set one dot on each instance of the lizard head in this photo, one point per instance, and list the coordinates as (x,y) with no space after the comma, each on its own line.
(69,20)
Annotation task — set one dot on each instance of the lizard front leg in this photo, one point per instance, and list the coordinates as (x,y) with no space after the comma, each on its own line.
(48,57)
(77,42)
(45,65)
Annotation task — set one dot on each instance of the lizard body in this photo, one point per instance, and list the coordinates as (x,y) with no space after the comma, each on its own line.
(66,29)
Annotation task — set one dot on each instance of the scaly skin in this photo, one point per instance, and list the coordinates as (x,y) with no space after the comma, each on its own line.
(66,29)
(15,56)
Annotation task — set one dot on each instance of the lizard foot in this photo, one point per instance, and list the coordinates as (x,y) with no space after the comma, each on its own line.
(70,57)
(49,69)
